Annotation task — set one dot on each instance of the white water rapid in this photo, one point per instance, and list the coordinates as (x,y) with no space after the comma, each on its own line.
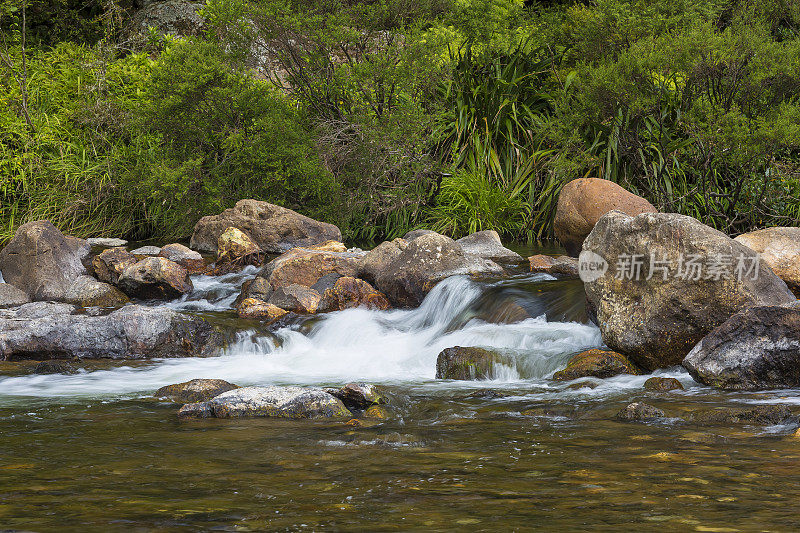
(399,346)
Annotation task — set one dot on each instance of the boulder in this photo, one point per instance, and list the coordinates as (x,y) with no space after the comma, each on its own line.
(468,363)
(296,298)
(185,257)
(234,244)
(380,257)
(254,309)
(42,262)
(155,277)
(563,266)
(759,415)
(109,264)
(583,201)
(10,296)
(426,261)
(348,292)
(171,17)
(662,384)
(257,288)
(305,267)
(277,402)
(145,251)
(274,229)
(53,331)
(328,281)
(414,233)
(780,250)
(698,278)
(358,395)
(106,242)
(757,348)
(639,411)
(487,245)
(598,364)
(55,366)
(86,291)
(196,390)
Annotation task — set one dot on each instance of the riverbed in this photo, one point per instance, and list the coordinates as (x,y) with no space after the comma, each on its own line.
(94,451)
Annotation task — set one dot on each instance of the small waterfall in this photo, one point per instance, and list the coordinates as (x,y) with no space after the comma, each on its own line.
(398,346)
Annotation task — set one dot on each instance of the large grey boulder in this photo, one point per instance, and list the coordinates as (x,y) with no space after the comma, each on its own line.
(583,201)
(657,321)
(277,402)
(273,228)
(780,249)
(43,330)
(757,348)
(487,245)
(42,262)
(426,261)
(10,296)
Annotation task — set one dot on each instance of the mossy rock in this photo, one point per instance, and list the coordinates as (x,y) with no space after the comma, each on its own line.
(468,363)
(662,384)
(598,364)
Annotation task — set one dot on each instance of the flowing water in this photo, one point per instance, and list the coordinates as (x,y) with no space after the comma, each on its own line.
(94,451)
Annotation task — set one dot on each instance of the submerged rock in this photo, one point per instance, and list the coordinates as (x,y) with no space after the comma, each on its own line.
(657,321)
(51,331)
(358,395)
(757,348)
(86,291)
(196,410)
(377,412)
(110,264)
(296,298)
(42,262)
(348,292)
(760,415)
(639,411)
(273,228)
(379,258)
(185,257)
(598,364)
(196,390)
(662,384)
(426,261)
(487,245)
(10,296)
(779,248)
(254,309)
(55,366)
(468,363)
(583,201)
(563,266)
(155,277)
(277,402)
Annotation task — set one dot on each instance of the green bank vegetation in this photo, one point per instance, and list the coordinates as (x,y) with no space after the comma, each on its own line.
(384,115)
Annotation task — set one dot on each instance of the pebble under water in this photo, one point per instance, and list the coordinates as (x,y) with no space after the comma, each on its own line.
(94,451)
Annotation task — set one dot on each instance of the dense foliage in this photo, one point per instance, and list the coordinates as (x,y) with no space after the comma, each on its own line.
(382,115)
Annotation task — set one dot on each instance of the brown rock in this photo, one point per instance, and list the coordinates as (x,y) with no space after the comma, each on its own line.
(581,204)
(196,390)
(305,267)
(234,244)
(541,262)
(42,262)
(598,364)
(662,384)
(563,266)
(349,292)
(780,250)
(155,277)
(426,261)
(109,264)
(296,298)
(258,288)
(259,310)
(185,257)
(380,257)
(273,228)
(639,411)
